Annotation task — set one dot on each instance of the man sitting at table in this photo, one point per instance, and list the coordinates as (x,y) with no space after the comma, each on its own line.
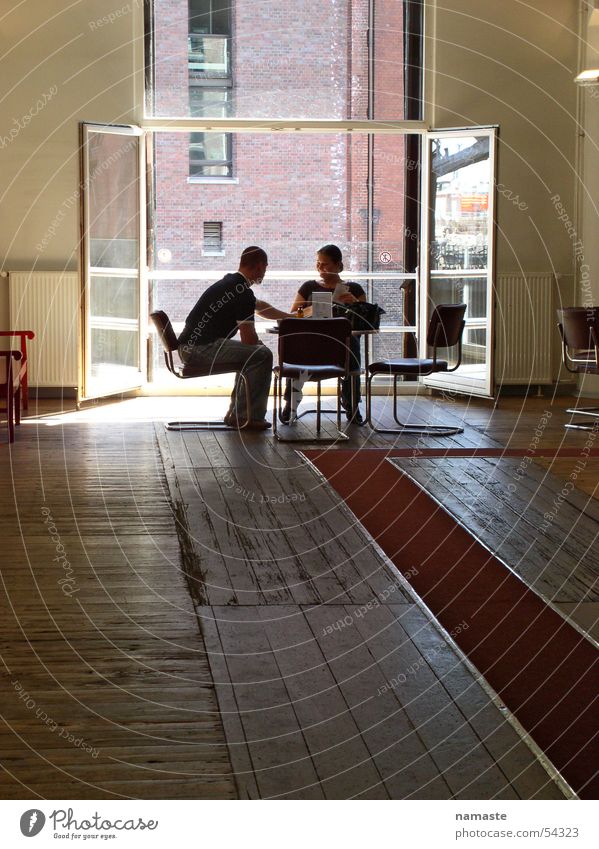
(207,338)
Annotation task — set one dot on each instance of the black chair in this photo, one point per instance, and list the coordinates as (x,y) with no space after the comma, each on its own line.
(445,330)
(579,329)
(318,349)
(168,337)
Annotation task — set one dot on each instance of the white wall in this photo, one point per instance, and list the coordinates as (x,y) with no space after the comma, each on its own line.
(59,64)
(513,63)
(510,63)
(588,266)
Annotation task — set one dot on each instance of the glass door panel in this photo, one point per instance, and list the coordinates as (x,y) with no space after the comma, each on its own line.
(458,266)
(114,332)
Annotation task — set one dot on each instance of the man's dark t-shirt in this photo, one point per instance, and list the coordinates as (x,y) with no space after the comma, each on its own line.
(307,289)
(218,310)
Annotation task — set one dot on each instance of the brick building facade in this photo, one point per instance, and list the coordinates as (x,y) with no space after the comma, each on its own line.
(288,192)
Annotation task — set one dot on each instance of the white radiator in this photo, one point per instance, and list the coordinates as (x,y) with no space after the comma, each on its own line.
(524,328)
(47,302)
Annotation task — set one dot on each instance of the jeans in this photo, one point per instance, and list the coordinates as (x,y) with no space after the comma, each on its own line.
(346,383)
(254,360)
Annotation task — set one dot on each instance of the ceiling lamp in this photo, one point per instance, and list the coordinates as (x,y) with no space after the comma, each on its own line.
(590,77)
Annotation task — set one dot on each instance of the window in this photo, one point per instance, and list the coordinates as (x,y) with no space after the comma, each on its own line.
(210,155)
(213,238)
(209,36)
(210,86)
(211,17)
(304,61)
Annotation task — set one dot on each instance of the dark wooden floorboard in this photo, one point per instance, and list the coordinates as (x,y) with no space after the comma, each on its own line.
(561,564)
(287,690)
(106,689)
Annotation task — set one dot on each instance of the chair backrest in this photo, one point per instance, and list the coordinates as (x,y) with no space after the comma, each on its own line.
(315,341)
(579,329)
(163,325)
(577,326)
(446,325)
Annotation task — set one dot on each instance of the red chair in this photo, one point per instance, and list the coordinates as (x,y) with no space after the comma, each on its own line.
(10,389)
(24,336)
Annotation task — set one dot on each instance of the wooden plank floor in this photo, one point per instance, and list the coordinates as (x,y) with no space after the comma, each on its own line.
(504,507)
(311,636)
(290,687)
(106,690)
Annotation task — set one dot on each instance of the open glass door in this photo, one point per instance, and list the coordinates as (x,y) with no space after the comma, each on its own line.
(458,262)
(113,272)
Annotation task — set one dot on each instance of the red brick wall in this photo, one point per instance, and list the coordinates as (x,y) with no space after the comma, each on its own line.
(293,192)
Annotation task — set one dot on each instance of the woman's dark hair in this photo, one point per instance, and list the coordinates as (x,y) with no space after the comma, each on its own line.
(333,253)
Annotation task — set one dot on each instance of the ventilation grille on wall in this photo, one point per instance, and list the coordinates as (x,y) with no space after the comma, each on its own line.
(213,238)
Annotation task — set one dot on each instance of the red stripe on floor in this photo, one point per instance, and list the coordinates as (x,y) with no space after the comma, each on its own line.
(416,452)
(542,668)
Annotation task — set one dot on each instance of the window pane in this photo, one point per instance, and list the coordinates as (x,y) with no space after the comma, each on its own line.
(113,200)
(292,198)
(209,155)
(459,203)
(221,16)
(472,292)
(209,102)
(199,15)
(311,62)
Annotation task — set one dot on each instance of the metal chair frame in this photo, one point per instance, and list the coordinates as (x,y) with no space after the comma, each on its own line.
(169,342)
(585,361)
(311,326)
(438,336)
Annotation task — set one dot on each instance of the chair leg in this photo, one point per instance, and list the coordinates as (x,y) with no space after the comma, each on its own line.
(318,407)
(18,405)
(276,405)
(322,440)
(403,427)
(10,412)
(592,412)
(210,425)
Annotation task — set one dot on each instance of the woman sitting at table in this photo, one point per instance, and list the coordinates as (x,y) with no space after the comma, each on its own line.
(329,264)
